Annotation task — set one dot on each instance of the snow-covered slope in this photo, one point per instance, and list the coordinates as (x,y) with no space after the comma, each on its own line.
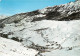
(13,48)
(61,33)
(63,52)
(53,31)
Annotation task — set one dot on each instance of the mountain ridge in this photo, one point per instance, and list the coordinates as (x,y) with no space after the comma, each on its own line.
(58,12)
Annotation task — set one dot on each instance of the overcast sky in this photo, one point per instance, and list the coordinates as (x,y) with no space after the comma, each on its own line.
(11,7)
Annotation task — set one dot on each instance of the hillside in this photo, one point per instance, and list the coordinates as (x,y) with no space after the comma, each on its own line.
(52,31)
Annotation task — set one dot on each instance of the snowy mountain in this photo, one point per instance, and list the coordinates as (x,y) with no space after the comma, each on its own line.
(52,31)
(65,12)
(3,16)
